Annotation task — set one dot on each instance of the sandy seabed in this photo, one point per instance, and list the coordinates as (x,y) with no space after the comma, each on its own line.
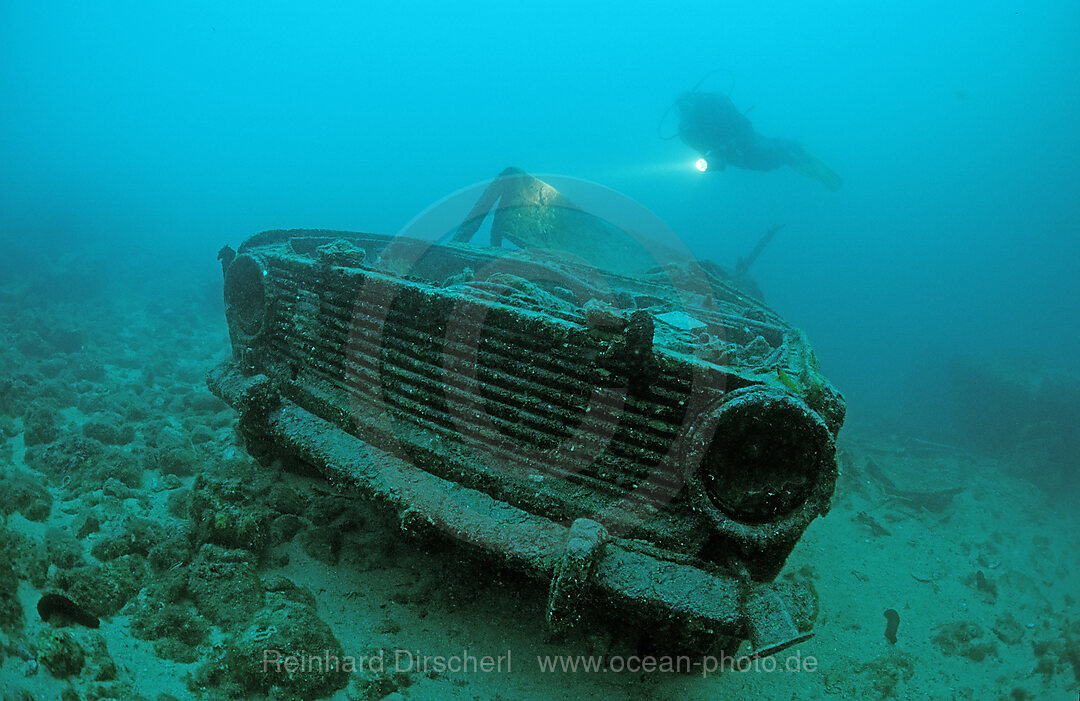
(125,487)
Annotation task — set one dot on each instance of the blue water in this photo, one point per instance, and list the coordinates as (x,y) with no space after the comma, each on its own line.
(938,285)
(953,127)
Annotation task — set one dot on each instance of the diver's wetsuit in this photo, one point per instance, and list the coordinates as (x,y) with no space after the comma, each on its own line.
(712,125)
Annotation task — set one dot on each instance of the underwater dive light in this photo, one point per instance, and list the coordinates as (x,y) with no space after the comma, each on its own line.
(701,164)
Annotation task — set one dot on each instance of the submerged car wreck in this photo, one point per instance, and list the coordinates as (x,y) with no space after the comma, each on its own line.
(630,428)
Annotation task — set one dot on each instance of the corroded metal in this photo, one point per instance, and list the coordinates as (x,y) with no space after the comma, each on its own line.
(652,444)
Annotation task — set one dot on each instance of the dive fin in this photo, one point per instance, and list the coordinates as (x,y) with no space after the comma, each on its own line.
(803,163)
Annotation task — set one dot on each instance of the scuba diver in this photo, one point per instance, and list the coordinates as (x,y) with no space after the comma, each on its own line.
(710,124)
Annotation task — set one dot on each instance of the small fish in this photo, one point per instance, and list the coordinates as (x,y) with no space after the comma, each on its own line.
(786,379)
(875,528)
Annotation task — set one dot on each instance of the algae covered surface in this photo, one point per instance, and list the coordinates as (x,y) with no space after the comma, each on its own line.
(886,191)
(126,490)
